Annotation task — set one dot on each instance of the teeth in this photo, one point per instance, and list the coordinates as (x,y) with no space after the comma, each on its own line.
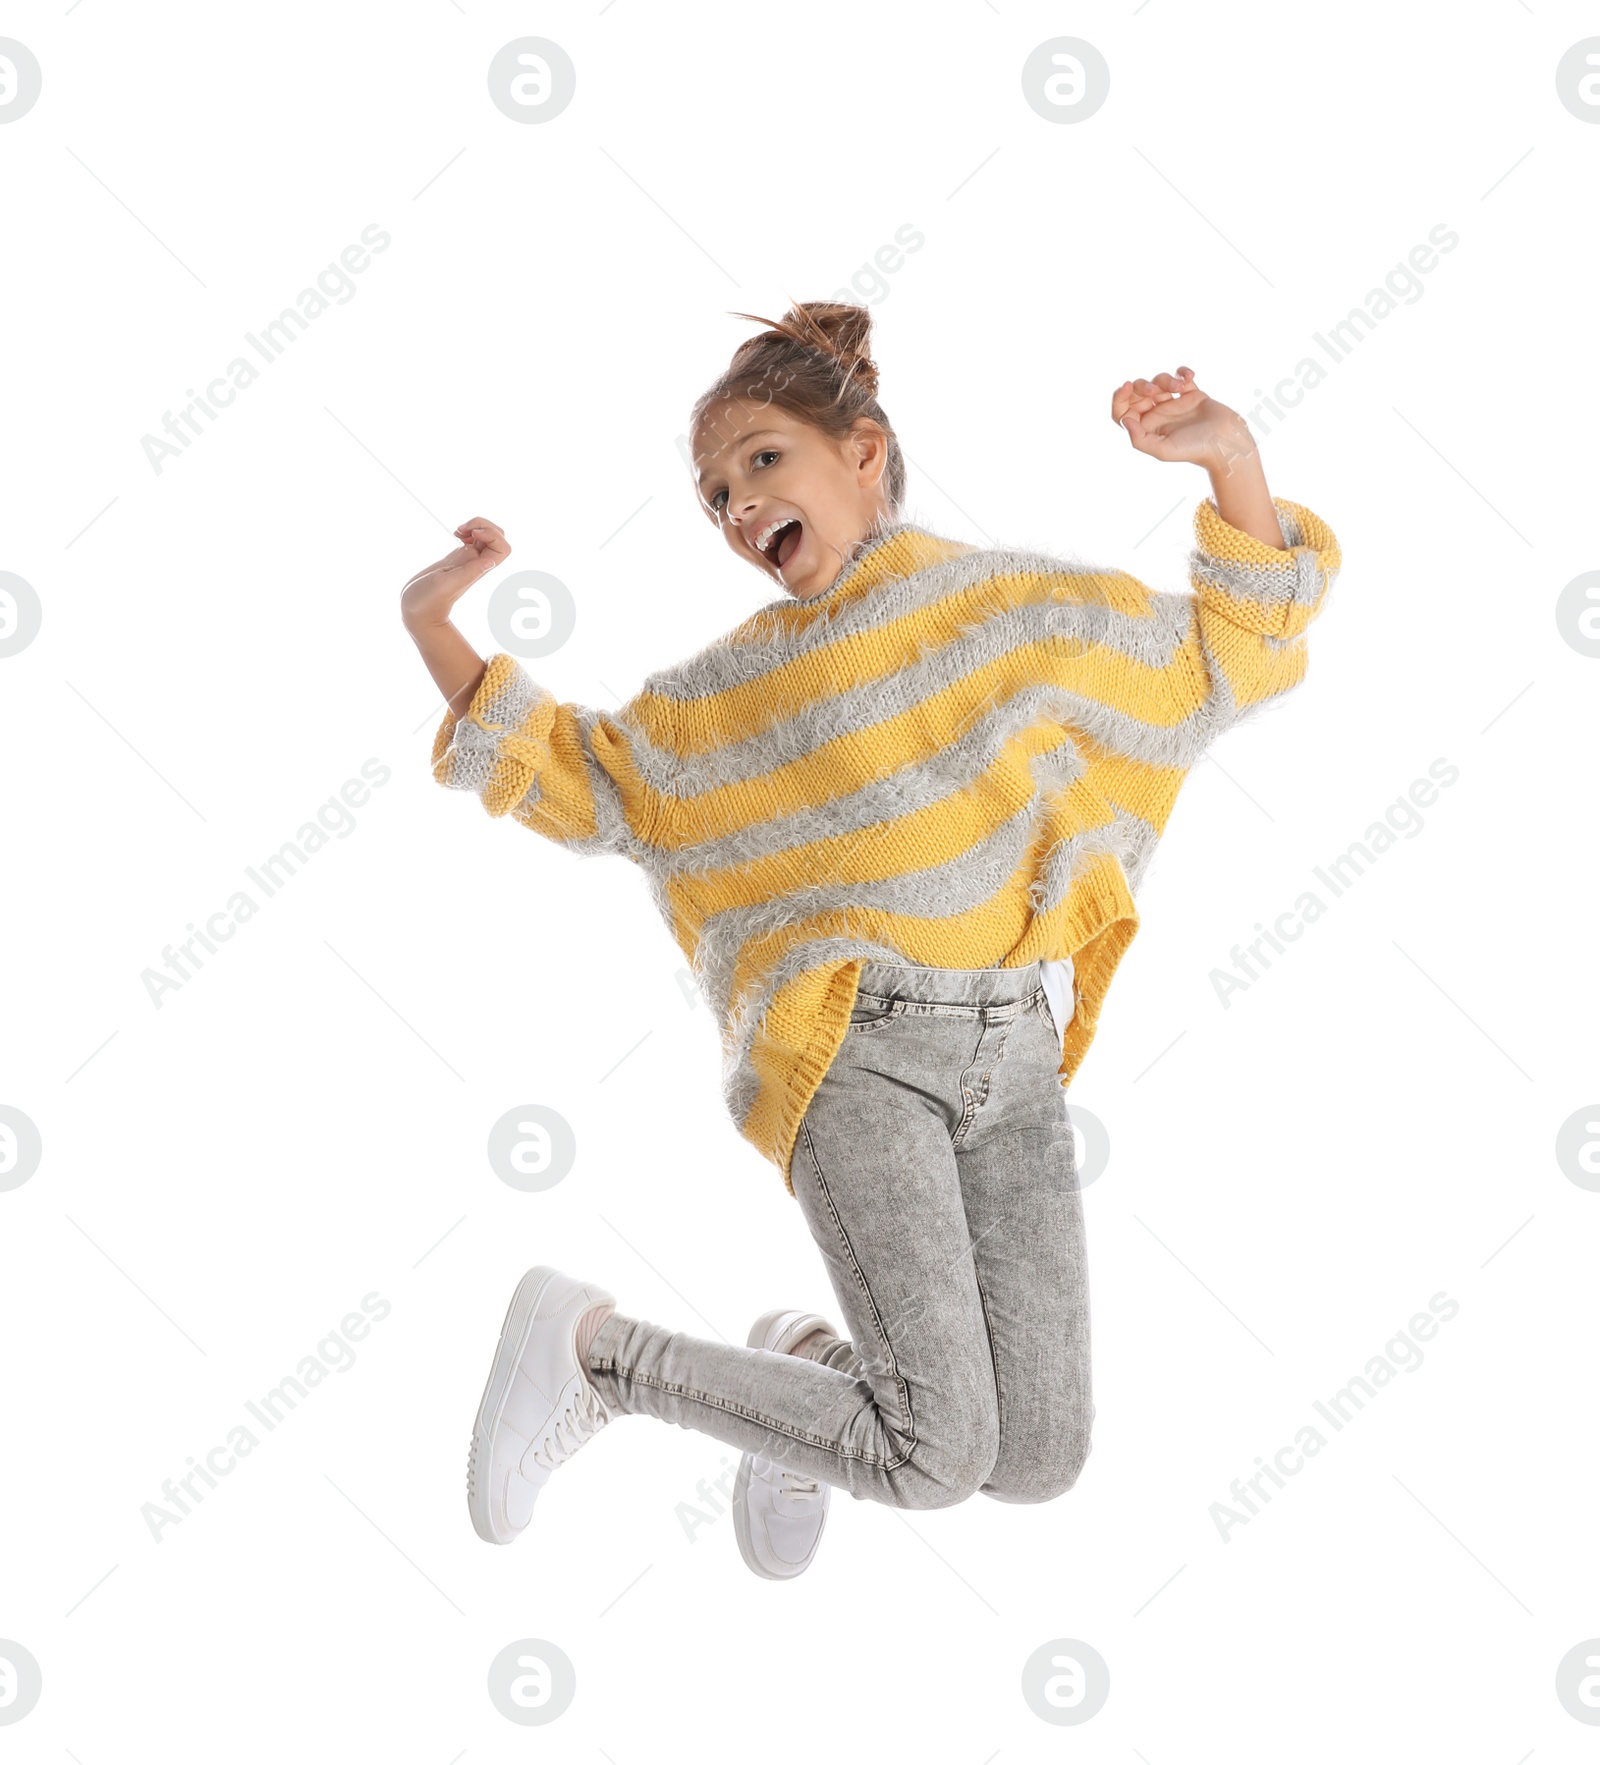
(764,538)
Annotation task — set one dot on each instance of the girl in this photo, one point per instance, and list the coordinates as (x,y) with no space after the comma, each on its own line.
(894,820)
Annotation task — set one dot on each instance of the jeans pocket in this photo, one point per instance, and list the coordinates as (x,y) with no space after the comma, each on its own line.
(870,1012)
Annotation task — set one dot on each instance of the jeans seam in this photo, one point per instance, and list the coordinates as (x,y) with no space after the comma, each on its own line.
(738,1409)
(967,1113)
(995,1011)
(979,1093)
(1006,1027)
(909,1423)
(994,1349)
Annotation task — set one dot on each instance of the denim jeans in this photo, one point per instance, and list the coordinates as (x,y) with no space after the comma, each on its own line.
(935,1169)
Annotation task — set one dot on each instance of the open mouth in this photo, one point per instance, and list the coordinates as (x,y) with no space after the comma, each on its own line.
(783,544)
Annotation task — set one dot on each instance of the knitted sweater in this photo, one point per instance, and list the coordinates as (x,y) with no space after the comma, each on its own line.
(954,756)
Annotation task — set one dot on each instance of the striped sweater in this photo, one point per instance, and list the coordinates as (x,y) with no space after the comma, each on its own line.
(954,756)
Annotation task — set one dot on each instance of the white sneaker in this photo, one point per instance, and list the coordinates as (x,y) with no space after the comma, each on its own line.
(538,1407)
(778,1514)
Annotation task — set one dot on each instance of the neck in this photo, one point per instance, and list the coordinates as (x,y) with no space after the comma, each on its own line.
(895,549)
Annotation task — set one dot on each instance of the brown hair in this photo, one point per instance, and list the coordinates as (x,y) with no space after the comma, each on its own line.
(814,364)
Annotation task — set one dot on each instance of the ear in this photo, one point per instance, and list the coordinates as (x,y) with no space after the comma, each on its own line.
(869,449)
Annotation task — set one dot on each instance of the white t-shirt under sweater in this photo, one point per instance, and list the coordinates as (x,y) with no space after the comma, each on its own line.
(1057,977)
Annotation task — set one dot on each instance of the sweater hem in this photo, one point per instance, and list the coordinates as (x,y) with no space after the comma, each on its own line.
(1100,923)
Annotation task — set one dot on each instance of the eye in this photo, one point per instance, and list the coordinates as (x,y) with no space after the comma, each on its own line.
(717,506)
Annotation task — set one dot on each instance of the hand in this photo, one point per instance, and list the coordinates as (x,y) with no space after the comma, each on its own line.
(428,597)
(1170,418)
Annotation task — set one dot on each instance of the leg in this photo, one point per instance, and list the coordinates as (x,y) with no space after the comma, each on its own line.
(1020,1186)
(875,1175)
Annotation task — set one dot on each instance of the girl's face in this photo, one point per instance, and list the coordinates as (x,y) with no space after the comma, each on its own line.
(789,499)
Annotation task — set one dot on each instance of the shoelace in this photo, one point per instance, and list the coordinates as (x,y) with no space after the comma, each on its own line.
(790,1484)
(581,1419)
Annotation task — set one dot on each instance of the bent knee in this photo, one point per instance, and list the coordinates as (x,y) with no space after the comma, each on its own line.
(1039,1475)
(944,1475)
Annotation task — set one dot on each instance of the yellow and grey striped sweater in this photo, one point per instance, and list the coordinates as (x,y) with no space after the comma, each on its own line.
(954,756)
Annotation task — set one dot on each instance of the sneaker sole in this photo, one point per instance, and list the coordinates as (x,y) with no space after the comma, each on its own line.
(804,1323)
(514,1334)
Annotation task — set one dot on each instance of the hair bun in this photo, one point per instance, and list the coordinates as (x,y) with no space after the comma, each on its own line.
(834,329)
(866,370)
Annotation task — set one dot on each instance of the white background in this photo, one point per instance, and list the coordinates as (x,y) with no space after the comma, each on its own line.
(304,1122)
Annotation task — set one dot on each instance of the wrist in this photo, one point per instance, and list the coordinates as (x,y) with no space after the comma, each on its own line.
(1233,454)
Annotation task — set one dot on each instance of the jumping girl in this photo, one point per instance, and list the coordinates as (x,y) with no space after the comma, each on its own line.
(895,821)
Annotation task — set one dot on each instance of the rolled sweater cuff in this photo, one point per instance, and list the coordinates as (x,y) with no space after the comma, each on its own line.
(1271,592)
(498,748)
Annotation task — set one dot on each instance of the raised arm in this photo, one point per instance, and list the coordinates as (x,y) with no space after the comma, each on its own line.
(1261,566)
(562,770)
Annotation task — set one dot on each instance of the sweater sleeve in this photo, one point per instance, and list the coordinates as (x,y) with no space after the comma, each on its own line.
(1253,604)
(563,770)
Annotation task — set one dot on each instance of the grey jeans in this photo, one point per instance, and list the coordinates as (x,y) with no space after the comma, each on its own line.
(935,1169)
